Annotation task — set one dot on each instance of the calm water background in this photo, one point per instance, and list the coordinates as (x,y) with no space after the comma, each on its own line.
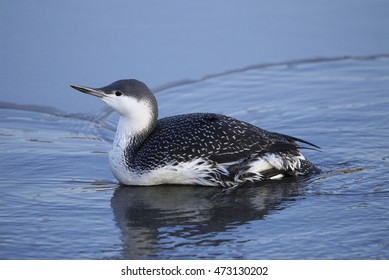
(58,199)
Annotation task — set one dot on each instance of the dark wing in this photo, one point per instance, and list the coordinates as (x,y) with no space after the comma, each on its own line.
(245,139)
(220,138)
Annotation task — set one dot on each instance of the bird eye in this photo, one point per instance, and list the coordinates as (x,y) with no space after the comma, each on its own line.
(118,93)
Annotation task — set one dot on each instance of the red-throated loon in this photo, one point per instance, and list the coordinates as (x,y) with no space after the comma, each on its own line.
(198,149)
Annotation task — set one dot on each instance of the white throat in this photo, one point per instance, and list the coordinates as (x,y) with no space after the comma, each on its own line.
(136,117)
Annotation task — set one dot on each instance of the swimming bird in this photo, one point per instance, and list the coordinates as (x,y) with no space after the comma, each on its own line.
(198,149)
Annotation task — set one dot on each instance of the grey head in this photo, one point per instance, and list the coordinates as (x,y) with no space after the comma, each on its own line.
(130,98)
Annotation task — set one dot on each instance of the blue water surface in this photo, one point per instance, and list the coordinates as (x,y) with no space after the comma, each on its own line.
(60,201)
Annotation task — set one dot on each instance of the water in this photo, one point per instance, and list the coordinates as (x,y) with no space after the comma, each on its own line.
(48,45)
(60,201)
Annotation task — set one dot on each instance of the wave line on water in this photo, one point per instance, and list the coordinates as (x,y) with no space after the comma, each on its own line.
(100,117)
(290,63)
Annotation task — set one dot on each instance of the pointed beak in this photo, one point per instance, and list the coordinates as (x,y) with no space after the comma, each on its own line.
(91,91)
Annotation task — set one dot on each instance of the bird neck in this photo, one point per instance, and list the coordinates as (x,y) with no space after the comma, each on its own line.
(136,123)
(132,132)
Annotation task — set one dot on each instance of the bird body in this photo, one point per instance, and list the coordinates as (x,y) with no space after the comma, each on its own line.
(199,149)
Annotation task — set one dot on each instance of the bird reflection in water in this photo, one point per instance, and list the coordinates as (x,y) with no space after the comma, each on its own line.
(155,220)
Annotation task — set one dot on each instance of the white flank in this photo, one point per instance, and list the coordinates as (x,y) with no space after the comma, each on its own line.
(183,173)
(258,166)
(277,161)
